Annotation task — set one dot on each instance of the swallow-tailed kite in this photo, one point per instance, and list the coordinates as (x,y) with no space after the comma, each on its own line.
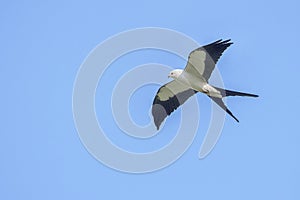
(194,78)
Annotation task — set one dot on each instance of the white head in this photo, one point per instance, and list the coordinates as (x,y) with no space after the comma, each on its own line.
(175,73)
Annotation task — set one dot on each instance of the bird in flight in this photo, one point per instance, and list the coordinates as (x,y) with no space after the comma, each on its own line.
(192,79)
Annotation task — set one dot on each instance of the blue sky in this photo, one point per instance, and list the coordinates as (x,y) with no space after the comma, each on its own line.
(42,47)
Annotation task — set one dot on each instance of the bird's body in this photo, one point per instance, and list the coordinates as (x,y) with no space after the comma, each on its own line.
(193,82)
(192,79)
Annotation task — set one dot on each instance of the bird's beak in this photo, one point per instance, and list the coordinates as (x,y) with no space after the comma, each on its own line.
(169,76)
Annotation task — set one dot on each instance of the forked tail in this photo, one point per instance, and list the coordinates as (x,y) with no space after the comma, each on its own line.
(226,93)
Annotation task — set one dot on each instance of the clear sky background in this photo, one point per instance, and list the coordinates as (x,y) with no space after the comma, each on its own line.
(42,47)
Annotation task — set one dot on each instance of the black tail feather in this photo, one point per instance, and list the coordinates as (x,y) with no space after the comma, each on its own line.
(226,93)
(220,102)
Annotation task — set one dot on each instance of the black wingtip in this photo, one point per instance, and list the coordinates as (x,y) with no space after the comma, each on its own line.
(227,41)
(217,41)
(221,41)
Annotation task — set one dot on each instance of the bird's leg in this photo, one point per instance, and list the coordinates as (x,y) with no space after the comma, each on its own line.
(205,89)
(211,91)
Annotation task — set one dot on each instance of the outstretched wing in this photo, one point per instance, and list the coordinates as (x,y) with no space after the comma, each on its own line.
(202,61)
(220,102)
(168,98)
